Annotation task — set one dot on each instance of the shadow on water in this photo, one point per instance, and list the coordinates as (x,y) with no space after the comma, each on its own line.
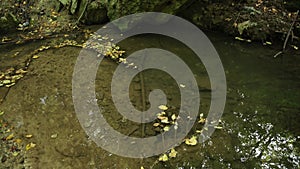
(259,127)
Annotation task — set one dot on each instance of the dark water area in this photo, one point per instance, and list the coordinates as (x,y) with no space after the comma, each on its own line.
(260,126)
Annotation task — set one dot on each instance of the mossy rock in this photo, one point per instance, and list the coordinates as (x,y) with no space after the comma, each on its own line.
(117,9)
(8,23)
(93,13)
(96,13)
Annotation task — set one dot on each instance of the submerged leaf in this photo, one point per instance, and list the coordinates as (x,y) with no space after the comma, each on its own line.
(18,140)
(15,153)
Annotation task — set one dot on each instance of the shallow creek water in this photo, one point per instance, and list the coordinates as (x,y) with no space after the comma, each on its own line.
(259,128)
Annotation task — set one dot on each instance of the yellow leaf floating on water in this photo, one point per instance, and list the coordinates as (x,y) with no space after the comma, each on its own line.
(9,137)
(18,141)
(163,158)
(173,117)
(161,114)
(192,141)
(202,120)
(28,135)
(165,120)
(199,131)
(155,124)
(163,107)
(218,127)
(29,146)
(173,153)
(167,128)
(35,56)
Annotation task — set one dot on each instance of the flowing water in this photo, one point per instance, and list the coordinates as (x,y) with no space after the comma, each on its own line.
(259,128)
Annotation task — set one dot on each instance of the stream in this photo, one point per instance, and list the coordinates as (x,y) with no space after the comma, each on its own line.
(260,126)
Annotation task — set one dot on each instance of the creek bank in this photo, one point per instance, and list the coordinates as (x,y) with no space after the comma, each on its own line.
(254,20)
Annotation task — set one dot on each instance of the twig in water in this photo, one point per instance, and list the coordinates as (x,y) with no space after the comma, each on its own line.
(287,36)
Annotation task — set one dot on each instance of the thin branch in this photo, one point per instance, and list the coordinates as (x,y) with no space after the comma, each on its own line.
(84,9)
(287,36)
(292,25)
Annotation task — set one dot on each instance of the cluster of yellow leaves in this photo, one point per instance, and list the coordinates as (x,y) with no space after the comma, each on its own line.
(165,157)
(164,120)
(10,76)
(191,141)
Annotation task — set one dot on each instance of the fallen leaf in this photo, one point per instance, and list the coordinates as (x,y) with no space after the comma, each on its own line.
(192,141)
(167,128)
(163,107)
(164,120)
(239,38)
(10,85)
(295,47)
(9,137)
(199,131)
(54,135)
(268,43)
(173,153)
(28,135)
(173,117)
(6,81)
(218,127)
(163,158)
(161,114)
(18,140)
(15,153)
(29,146)
(202,120)
(21,71)
(35,56)
(155,124)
